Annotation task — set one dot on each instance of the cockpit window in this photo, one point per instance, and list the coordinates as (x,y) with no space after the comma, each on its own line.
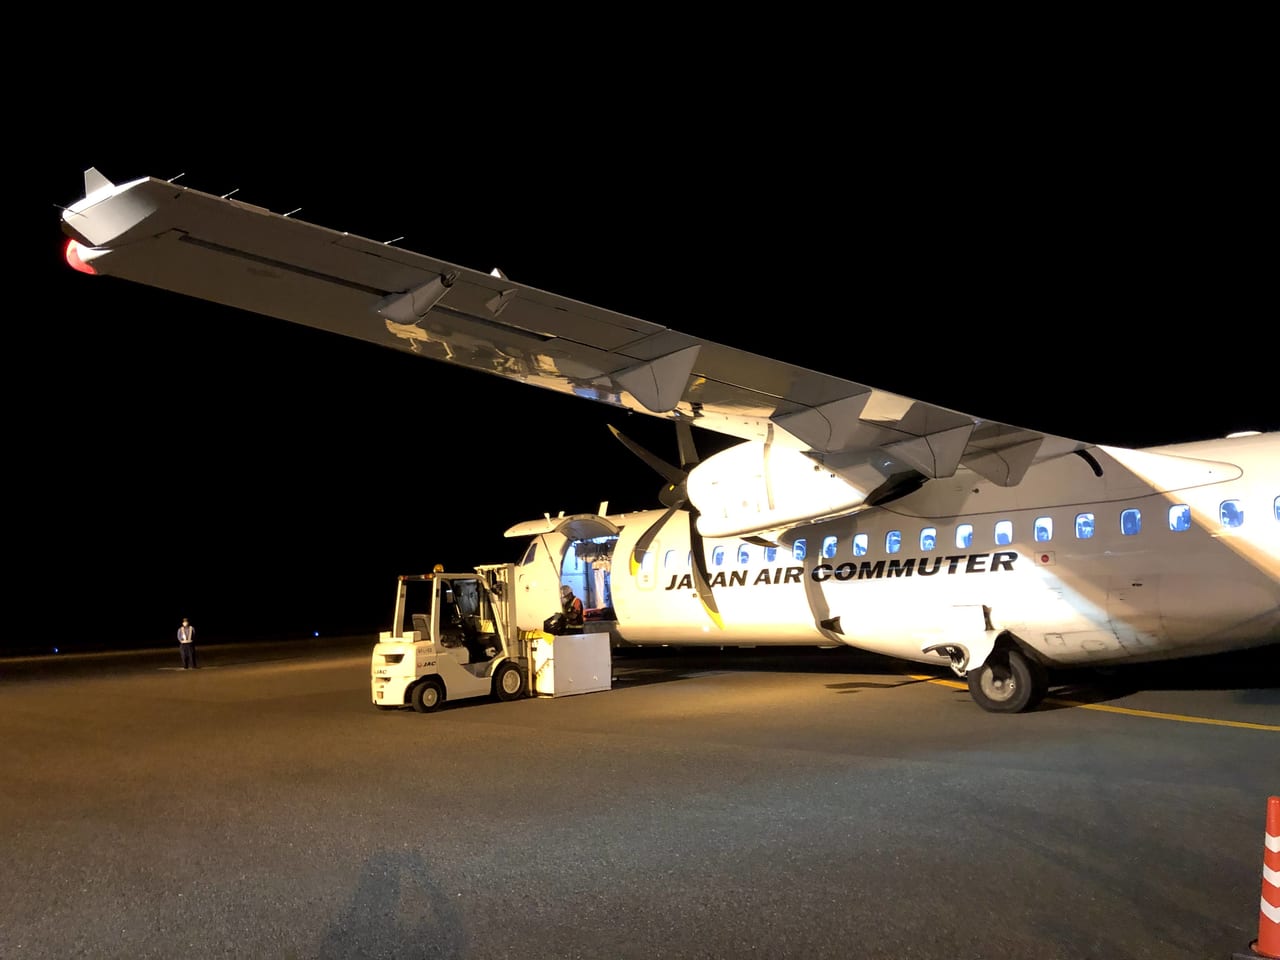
(1179,517)
(530,553)
(1231,513)
(1084,526)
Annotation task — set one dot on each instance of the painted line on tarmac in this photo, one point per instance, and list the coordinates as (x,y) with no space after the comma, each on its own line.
(1154,715)
(1106,708)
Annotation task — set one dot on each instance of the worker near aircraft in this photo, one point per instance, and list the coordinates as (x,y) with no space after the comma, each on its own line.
(187,645)
(571,607)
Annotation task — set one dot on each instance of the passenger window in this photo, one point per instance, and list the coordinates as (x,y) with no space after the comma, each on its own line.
(1044,529)
(928,538)
(800,549)
(717,556)
(859,544)
(770,554)
(893,541)
(828,547)
(1130,522)
(1004,533)
(964,535)
(670,559)
(744,555)
(1084,526)
(1231,513)
(1179,517)
(1276,506)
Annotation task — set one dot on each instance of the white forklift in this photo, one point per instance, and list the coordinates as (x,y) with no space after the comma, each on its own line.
(454,636)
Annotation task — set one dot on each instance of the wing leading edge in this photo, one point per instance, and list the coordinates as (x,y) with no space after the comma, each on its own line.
(226,251)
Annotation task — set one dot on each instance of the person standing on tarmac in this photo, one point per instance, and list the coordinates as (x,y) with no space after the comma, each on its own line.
(187,645)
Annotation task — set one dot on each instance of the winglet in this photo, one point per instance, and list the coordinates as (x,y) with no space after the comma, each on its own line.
(95,181)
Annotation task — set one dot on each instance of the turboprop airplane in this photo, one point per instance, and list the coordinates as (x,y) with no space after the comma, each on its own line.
(843,514)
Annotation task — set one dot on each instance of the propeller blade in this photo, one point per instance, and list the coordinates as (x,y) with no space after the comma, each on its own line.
(646,538)
(675,497)
(701,579)
(674,475)
(684,442)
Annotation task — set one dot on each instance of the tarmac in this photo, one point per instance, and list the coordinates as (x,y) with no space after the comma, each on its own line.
(710,805)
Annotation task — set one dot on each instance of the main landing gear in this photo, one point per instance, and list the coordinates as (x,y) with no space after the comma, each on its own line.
(1009,681)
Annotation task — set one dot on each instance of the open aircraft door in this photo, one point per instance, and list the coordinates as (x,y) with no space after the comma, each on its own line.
(543,567)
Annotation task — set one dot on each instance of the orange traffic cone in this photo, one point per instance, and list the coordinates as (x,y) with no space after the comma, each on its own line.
(1268,942)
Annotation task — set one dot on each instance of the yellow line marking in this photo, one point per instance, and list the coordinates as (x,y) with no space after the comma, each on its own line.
(953,684)
(1149,714)
(1211,721)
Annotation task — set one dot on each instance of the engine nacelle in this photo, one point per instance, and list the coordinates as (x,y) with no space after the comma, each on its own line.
(756,486)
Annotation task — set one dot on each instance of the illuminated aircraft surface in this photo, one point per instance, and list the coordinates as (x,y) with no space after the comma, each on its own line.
(843,514)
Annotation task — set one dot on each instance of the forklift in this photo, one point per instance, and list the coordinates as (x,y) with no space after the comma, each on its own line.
(453,637)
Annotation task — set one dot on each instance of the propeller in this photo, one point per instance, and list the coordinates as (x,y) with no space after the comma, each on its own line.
(675,497)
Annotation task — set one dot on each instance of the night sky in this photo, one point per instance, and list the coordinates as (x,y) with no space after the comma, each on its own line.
(1090,275)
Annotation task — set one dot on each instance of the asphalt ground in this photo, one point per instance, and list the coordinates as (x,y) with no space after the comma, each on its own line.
(711,805)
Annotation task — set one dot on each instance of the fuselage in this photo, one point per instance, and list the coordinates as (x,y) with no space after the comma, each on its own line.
(1120,555)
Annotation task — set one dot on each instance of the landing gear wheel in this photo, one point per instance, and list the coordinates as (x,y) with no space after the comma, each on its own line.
(427,695)
(508,682)
(1007,682)
(1039,682)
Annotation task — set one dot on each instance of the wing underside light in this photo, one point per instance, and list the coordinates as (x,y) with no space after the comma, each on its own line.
(227,251)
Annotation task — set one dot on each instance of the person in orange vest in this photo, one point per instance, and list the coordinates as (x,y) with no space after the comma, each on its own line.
(571,606)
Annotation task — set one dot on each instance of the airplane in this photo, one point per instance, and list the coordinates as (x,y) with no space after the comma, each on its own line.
(839,515)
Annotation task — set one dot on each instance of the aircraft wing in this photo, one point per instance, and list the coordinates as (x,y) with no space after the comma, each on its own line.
(223,250)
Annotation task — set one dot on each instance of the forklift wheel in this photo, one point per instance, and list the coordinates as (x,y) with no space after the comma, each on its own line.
(508,682)
(427,696)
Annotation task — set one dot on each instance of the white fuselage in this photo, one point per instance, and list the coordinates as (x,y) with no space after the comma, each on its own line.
(1145,561)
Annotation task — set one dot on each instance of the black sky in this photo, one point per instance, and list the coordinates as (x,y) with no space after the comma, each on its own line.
(1094,273)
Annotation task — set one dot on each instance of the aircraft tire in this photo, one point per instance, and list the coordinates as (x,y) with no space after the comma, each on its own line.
(508,682)
(1039,682)
(428,695)
(1007,682)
